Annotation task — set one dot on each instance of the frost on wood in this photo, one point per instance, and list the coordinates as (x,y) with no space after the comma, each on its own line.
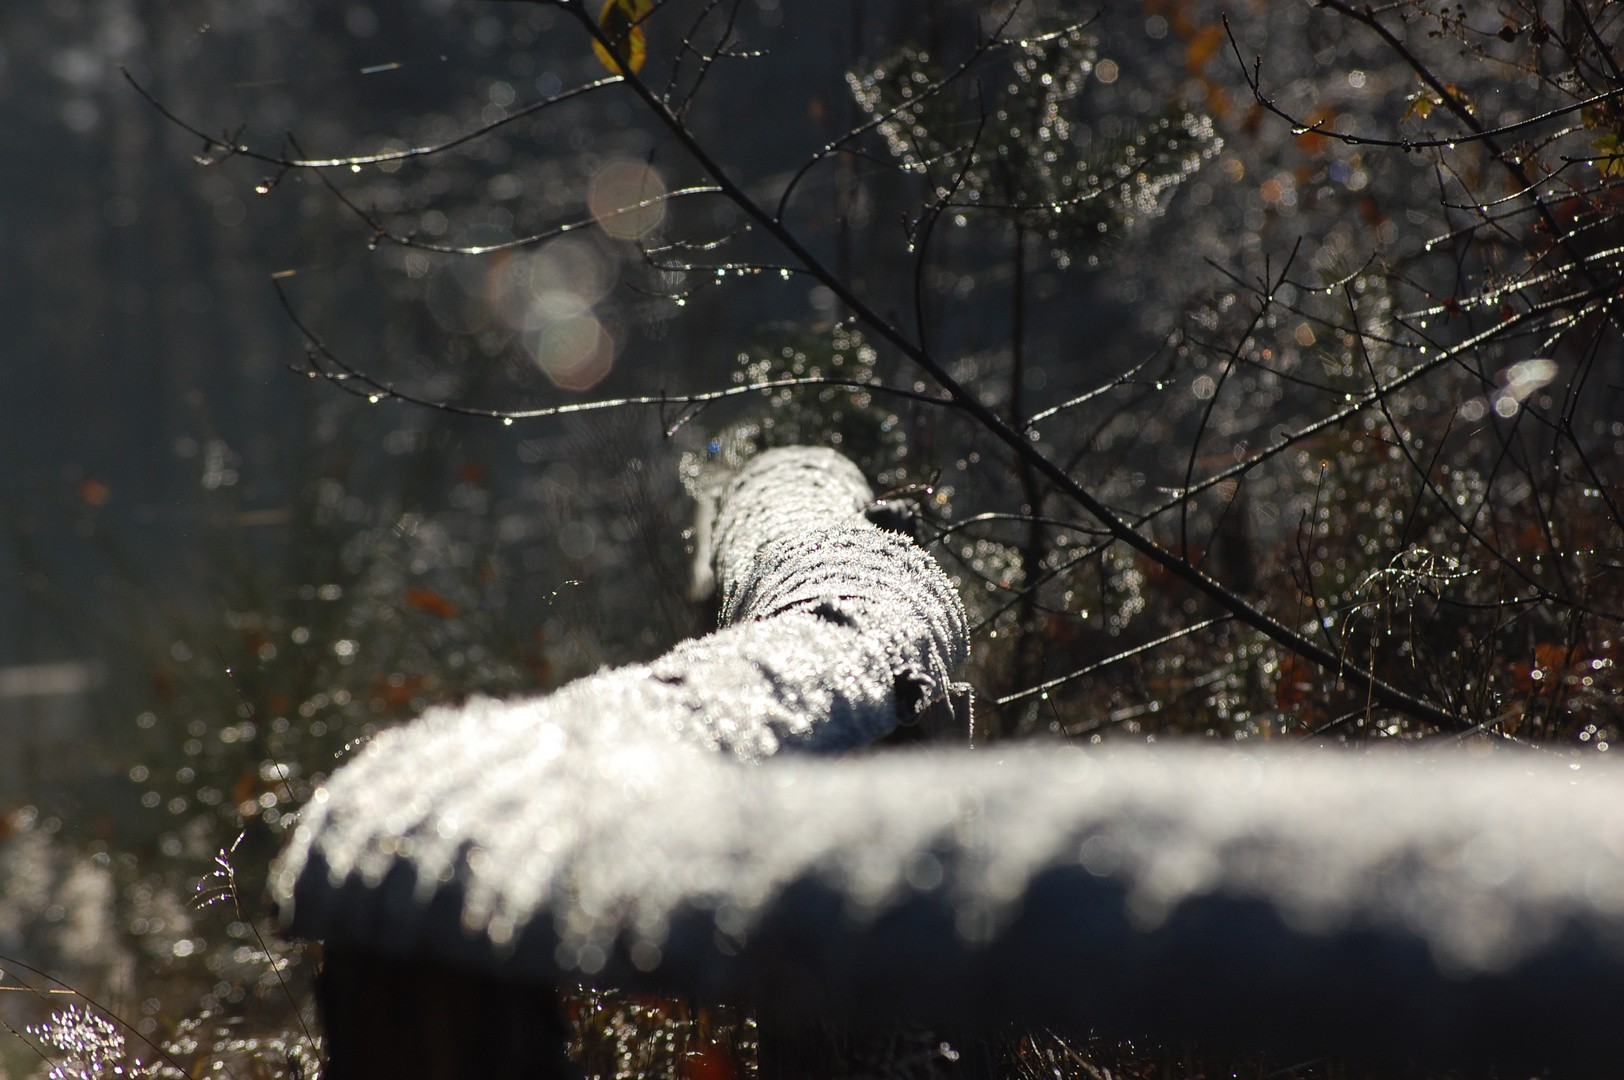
(836,629)
(1386,898)
(1383,899)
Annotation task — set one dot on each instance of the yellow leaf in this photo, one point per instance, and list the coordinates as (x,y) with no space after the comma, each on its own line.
(1424,100)
(622,22)
(1421,103)
(1610,160)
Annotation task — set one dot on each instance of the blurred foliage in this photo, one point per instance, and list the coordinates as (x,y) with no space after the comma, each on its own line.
(1013,152)
(634,1036)
(847,418)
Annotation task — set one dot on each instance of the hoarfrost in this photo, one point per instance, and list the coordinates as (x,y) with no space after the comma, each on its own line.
(610,831)
(836,629)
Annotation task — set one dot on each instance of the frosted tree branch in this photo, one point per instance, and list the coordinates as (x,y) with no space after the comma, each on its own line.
(651,827)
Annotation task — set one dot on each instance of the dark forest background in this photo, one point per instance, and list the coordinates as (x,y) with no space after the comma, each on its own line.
(1253,278)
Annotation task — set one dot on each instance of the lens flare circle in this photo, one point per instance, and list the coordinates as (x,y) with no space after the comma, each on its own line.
(627,199)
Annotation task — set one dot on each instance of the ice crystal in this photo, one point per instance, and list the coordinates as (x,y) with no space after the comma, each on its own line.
(93,1045)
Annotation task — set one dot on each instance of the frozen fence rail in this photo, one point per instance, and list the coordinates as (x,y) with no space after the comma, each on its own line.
(1454,904)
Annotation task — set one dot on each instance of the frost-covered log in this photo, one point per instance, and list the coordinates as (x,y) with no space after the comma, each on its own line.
(1452,903)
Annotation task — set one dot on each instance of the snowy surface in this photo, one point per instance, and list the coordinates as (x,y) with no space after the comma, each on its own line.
(1164,886)
(548,811)
(641,826)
